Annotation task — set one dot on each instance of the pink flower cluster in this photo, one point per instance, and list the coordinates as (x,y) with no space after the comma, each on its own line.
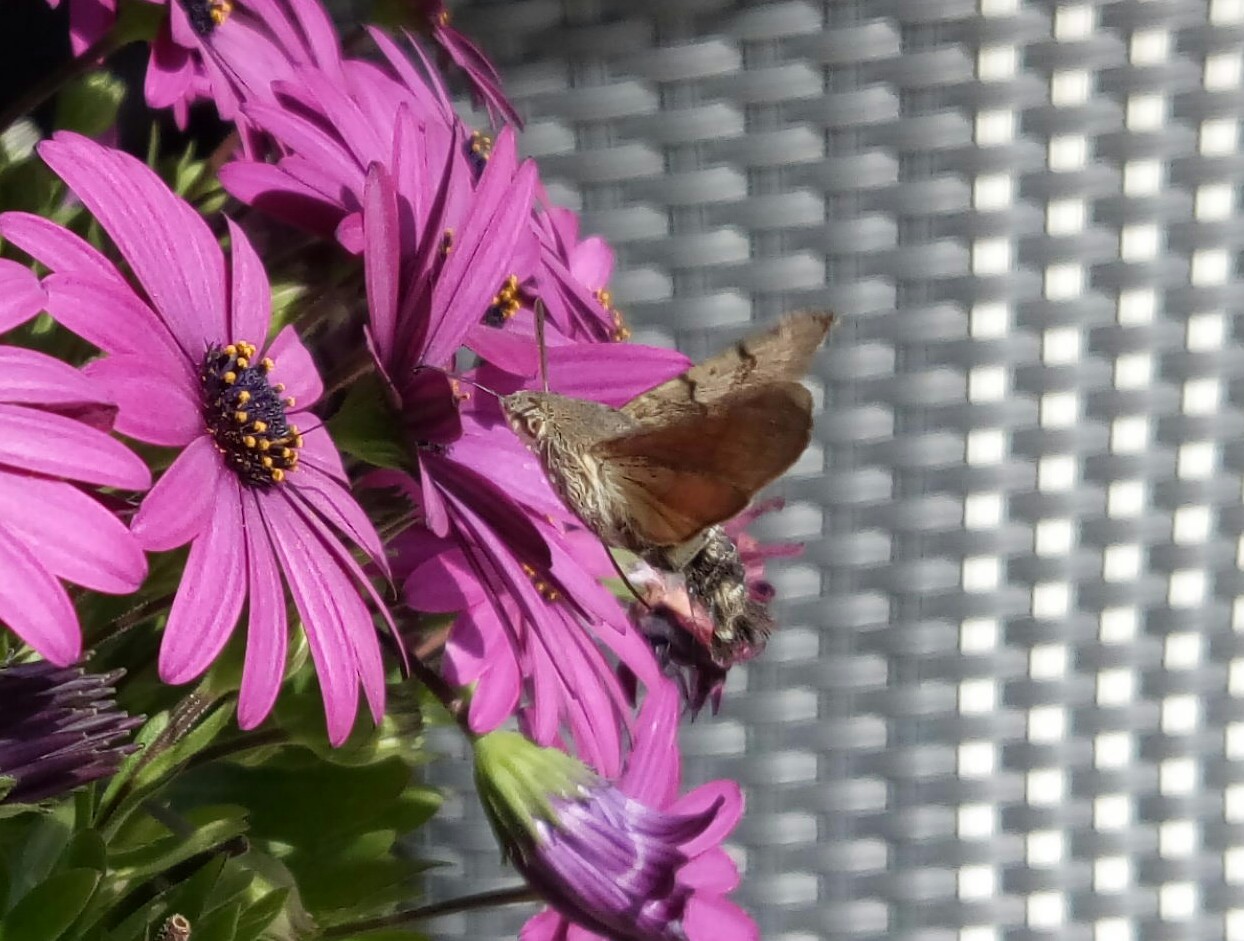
(458,242)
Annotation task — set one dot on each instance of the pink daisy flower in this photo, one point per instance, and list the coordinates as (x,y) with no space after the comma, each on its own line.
(496,543)
(460,49)
(218,49)
(258,489)
(53,430)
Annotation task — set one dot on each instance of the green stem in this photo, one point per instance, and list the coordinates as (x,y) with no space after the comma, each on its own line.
(51,83)
(510,896)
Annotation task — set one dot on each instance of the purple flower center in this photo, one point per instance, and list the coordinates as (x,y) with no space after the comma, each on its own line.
(505,303)
(245,414)
(206,15)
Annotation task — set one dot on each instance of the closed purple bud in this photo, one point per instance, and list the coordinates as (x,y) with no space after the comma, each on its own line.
(59,729)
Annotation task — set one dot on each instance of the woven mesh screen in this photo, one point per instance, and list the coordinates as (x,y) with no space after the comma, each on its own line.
(1002,703)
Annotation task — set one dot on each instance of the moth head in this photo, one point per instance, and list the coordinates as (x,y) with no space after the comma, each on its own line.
(527,414)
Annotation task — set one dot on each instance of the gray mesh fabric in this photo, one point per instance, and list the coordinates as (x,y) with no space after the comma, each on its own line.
(1003,701)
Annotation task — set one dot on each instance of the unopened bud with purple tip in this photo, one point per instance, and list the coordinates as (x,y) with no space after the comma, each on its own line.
(605,860)
(60,728)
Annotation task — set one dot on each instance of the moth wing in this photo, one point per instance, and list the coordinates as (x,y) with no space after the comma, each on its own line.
(780,354)
(680,477)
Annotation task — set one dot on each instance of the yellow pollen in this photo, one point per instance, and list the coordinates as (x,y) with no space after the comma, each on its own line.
(231,350)
(290,401)
(230,378)
(250,441)
(241,418)
(264,444)
(267,462)
(268,365)
(278,475)
(243,397)
(620,330)
(259,427)
(481,144)
(220,10)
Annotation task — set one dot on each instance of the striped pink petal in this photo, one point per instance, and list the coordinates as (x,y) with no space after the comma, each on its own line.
(74,536)
(210,595)
(34,605)
(61,447)
(267,634)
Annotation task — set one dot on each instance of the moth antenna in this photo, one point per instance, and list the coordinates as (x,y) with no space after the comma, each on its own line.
(456,378)
(544,355)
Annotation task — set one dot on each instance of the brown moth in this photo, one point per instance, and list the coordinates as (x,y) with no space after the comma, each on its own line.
(658,475)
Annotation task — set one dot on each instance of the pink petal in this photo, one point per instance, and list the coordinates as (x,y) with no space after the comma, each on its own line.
(21,295)
(179,506)
(729,812)
(335,504)
(318,451)
(61,447)
(30,377)
(168,244)
(381,260)
(34,605)
(266,631)
(170,69)
(654,768)
(210,595)
(714,919)
(435,515)
(89,21)
(250,298)
(275,192)
(56,248)
(713,872)
(611,373)
(295,369)
(74,536)
(359,625)
(303,562)
(156,406)
(547,926)
(505,350)
(476,267)
(591,262)
(443,584)
(494,671)
(112,317)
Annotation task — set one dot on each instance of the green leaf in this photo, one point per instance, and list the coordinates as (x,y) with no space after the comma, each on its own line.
(185,748)
(150,731)
(138,22)
(260,915)
(6,784)
(86,851)
(190,898)
(41,850)
(51,907)
(388,934)
(366,426)
(138,864)
(89,104)
(220,925)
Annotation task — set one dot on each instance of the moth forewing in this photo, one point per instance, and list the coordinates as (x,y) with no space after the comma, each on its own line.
(686,475)
(779,354)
